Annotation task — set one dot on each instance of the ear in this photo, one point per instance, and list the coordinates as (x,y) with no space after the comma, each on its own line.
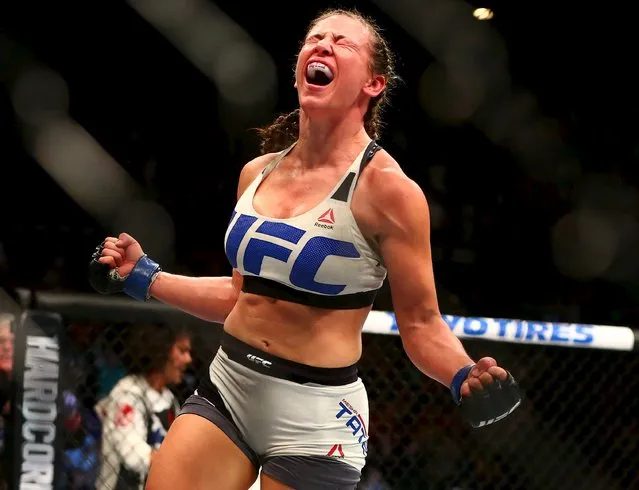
(375,86)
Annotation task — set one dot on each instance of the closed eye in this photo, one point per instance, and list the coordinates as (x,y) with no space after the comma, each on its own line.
(319,36)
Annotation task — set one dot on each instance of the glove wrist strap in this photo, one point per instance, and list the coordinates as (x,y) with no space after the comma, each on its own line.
(458,380)
(138,282)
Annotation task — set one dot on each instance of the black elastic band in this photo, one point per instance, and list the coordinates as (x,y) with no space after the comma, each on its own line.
(271,365)
(369,153)
(273,289)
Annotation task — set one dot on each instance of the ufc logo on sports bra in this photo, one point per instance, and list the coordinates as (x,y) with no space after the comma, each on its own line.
(305,265)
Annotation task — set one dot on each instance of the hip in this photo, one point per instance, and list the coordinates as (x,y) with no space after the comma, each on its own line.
(282,407)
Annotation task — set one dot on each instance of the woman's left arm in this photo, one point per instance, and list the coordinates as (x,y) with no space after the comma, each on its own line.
(403,224)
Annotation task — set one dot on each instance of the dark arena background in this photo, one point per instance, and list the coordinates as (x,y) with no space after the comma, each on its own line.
(519,122)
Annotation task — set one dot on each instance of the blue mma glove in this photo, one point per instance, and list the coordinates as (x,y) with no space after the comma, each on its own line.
(108,281)
(486,407)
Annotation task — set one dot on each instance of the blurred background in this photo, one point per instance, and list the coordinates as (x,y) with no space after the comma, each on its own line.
(519,121)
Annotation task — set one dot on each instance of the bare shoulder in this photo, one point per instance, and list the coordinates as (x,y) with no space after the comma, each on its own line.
(391,196)
(251,169)
(255,166)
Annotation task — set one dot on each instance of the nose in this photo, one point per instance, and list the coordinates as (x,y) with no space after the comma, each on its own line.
(324,46)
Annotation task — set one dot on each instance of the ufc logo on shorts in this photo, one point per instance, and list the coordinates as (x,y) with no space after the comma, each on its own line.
(259,360)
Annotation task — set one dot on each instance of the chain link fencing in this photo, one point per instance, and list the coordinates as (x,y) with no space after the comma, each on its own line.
(575,428)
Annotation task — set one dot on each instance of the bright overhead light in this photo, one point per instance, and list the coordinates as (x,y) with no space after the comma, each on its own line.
(483,14)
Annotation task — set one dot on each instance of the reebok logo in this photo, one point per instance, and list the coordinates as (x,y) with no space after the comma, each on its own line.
(336,448)
(259,360)
(326,220)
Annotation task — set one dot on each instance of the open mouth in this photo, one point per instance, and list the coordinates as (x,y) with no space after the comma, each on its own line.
(318,74)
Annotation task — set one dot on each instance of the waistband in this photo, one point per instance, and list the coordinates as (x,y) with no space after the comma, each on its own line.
(271,365)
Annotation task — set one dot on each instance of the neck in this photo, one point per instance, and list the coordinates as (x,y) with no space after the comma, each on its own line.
(325,141)
(156,381)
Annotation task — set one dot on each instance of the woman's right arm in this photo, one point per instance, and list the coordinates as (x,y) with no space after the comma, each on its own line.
(208,298)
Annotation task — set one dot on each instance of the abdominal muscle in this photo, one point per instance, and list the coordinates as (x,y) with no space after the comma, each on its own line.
(312,336)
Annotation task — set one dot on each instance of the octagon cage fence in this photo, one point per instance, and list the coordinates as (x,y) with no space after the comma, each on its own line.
(574,428)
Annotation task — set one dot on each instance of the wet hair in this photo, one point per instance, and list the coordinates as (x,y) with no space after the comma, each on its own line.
(148,347)
(284,130)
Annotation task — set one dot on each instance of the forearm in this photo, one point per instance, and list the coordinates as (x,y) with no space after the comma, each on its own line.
(434,349)
(208,298)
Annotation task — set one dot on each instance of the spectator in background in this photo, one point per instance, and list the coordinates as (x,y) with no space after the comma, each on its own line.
(6,351)
(140,408)
(107,359)
(6,368)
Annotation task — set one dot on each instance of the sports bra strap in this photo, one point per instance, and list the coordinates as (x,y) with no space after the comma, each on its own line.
(345,190)
(276,161)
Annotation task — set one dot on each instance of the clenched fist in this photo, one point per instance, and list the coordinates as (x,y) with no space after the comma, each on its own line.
(121,253)
(120,265)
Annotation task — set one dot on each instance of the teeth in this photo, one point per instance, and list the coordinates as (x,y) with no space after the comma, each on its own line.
(314,67)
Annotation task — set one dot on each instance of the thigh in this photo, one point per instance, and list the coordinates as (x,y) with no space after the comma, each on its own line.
(197,455)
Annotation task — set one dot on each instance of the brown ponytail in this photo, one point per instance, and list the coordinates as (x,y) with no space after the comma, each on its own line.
(281,133)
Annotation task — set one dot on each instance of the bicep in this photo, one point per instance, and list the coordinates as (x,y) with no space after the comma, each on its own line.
(406,250)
